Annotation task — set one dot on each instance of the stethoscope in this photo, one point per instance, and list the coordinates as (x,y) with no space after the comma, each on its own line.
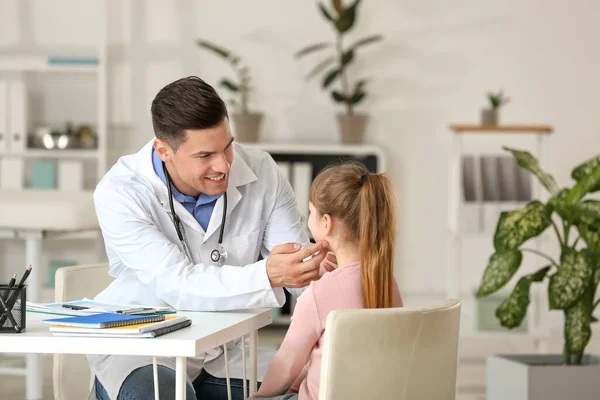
(218,255)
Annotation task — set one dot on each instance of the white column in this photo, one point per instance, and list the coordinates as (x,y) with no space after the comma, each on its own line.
(454,196)
(180,378)
(253,361)
(33,246)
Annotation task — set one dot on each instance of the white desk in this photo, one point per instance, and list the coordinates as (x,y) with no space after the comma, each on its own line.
(32,215)
(208,330)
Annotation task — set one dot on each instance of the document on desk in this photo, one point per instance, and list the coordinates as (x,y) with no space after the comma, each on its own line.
(90,307)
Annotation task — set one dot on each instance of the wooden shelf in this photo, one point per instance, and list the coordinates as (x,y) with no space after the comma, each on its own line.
(57,154)
(524,129)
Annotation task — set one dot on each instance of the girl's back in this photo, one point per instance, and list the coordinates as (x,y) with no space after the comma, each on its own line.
(337,290)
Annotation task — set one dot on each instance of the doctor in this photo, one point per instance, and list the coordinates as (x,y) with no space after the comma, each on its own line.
(193,244)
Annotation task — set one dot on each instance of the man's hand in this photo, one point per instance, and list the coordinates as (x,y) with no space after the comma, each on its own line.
(286,268)
(328,264)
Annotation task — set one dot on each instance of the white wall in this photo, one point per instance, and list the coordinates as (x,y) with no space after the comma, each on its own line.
(438,60)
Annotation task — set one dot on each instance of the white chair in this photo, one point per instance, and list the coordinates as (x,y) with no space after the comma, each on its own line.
(71,374)
(393,353)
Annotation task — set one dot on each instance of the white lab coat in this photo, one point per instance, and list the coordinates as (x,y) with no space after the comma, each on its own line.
(149,261)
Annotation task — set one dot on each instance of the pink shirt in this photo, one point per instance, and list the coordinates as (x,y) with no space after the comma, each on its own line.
(288,372)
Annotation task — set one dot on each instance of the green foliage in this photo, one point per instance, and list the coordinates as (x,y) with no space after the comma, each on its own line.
(512,311)
(497,100)
(240,87)
(573,280)
(335,67)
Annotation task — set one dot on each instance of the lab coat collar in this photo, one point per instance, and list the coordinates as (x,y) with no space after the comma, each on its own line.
(240,174)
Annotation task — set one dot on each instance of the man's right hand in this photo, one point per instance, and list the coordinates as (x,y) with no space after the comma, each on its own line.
(285,266)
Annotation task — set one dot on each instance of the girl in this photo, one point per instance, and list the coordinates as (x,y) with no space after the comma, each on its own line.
(355,212)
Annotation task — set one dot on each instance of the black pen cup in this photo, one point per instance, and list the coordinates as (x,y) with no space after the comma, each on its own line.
(13,302)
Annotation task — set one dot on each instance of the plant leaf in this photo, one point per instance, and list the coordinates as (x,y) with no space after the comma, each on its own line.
(345,22)
(590,236)
(531,164)
(516,227)
(357,97)
(214,48)
(512,310)
(338,97)
(365,41)
(540,274)
(312,48)
(226,83)
(326,13)
(587,212)
(585,169)
(346,58)
(578,319)
(320,67)
(571,280)
(330,77)
(586,184)
(557,203)
(338,6)
(501,267)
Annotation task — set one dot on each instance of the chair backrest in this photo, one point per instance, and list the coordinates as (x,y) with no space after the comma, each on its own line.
(71,374)
(392,353)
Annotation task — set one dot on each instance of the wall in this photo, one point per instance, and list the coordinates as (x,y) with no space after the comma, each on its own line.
(434,67)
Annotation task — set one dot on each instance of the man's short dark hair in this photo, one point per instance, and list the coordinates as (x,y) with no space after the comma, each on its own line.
(187,103)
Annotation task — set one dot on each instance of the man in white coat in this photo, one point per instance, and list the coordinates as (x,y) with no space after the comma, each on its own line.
(161,239)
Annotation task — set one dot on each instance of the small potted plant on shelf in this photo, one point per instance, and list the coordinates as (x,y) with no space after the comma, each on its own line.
(246,124)
(572,279)
(490,116)
(335,68)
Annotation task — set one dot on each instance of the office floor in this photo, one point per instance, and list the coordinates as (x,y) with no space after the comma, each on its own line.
(13,387)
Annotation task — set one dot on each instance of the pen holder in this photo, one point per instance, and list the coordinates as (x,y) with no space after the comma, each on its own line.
(12,309)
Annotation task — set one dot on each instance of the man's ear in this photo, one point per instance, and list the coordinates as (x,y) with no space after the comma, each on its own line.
(163,150)
(327,224)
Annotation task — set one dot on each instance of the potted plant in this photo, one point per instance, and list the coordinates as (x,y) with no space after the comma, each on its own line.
(572,281)
(246,124)
(335,68)
(490,116)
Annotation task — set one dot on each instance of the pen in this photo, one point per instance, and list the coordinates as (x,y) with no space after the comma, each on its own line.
(25,276)
(10,284)
(73,307)
(135,310)
(12,281)
(12,299)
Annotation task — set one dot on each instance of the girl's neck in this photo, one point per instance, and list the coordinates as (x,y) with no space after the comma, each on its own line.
(348,253)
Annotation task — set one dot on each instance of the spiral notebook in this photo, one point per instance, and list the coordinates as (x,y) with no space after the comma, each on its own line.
(115,333)
(104,320)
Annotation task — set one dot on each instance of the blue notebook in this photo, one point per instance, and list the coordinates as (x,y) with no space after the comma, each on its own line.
(104,320)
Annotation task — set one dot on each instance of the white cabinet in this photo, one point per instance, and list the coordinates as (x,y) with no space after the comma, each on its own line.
(3,116)
(484,211)
(17,115)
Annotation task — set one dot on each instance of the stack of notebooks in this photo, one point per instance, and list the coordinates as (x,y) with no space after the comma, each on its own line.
(117,325)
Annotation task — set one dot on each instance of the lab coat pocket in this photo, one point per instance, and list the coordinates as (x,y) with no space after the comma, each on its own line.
(246,247)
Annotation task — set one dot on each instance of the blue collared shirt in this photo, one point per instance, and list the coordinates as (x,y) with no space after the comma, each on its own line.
(201,209)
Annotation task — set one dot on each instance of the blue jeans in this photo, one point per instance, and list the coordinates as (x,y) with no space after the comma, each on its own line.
(139,385)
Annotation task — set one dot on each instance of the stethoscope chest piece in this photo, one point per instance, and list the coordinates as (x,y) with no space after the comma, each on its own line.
(218,255)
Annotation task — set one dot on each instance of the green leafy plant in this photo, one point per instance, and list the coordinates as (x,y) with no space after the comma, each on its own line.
(497,100)
(336,65)
(240,86)
(574,277)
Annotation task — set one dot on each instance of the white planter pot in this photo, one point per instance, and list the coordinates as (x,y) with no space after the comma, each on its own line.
(541,377)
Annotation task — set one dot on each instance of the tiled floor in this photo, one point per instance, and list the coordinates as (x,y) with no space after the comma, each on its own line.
(13,387)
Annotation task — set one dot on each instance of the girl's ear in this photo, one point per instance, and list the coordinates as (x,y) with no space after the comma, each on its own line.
(327,224)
